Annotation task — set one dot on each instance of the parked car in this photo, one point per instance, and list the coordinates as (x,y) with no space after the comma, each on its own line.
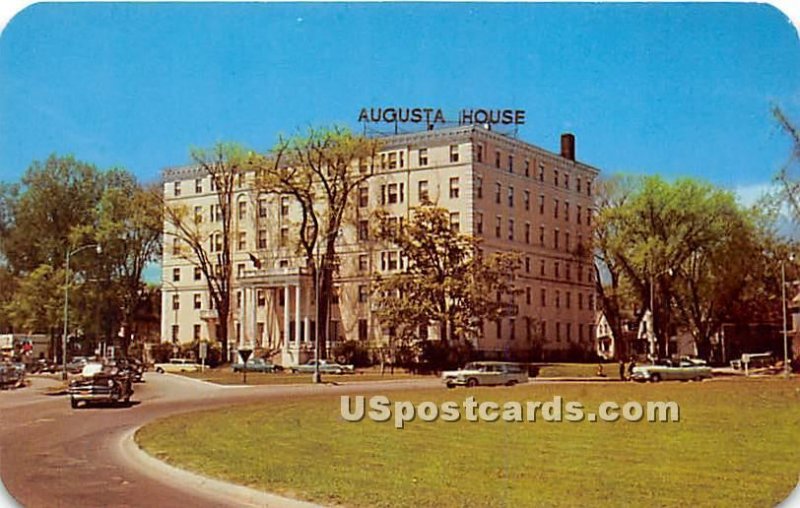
(325,367)
(257,365)
(12,375)
(177,365)
(131,367)
(486,373)
(76,364)
(100,382)
(666,370)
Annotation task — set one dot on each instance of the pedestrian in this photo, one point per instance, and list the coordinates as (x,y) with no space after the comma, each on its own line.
(630,368)
(621,369)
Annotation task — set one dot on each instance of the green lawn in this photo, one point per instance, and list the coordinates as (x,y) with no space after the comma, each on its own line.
(225,376)
(737,444)
(611,370)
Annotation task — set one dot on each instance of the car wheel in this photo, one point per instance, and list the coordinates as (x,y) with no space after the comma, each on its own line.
(450,386)
(472,382)
(512,382)
(160,370)
(73,402)
(655,377)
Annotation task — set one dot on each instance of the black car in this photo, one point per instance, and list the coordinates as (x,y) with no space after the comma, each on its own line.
(103,383)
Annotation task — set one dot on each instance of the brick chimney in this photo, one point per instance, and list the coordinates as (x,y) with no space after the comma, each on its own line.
(568,146)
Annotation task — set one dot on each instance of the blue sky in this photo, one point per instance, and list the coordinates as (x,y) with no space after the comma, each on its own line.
(676,89)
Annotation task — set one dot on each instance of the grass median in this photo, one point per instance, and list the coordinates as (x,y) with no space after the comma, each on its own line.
(736,444)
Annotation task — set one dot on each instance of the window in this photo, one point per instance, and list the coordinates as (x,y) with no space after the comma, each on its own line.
(176,302)
(363,230)
(543,297)
(176,274)
(262,207)
(555,209)
(198,186)
(362,330)
(578,184)
(283,263)
(393,194)
(580,301)
(363,196)
(240,180)
(479,223)
(558,299)
(497,190)
(511,323)
(479,187)
(569,331)
(528,329)
(455,222)
(284,241)
(422,191)
(213,185)
(262,238)
(527,167)
(578,214)
(242,243)
(566,181)
(591,302)
(498,224)
(284,206)
(392,260)
(362,166)
(541,236)
(176,246)
(454,188)
(453,153)
(239,270)
(242,210)
(238,299)
(363,262)
(196,332)
(568,270)
(497,159)
(198,303)
(198,274)
(510,163)
(580,272)
(528,295)
(555,177)
(511,229)
(175,332)
(542,266)
(423,156)
(527,264)
(556,235)
(362,293)
(557,269)
(261,299)
(499,327)
(527,232)
(511,196)
(589,188)
(392,160)
(588,216)
(541,204)
(177,189)
(566,241)
(566,211)
(569,299)
(479,152)
(526,200)
(541,172)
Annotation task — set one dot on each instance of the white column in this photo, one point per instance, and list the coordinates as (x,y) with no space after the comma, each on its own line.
(255,341)
(307,326)
(242,317)
(286,316)
(297,322)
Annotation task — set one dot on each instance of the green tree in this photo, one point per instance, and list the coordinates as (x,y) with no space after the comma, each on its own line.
(447,280)
(686,243)
(321,171)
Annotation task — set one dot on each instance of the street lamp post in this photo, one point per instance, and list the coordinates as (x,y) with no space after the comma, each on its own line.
(66,305)
(786,366)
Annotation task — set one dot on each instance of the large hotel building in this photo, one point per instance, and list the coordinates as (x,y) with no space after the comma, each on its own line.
(511,194)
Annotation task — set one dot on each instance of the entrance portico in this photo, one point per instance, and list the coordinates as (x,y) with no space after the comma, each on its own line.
(291,288)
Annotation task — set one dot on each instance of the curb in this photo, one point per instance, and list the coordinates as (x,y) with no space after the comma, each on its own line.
(217,491)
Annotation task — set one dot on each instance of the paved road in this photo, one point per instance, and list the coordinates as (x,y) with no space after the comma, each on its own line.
(54,456)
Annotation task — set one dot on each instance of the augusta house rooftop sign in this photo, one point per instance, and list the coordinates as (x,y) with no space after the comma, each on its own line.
(430,116)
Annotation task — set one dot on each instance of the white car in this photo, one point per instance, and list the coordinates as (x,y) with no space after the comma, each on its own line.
(666,370)
(486,374)
(177,365)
